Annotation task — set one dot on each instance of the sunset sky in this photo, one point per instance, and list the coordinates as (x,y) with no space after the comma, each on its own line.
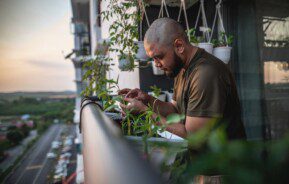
(34,37)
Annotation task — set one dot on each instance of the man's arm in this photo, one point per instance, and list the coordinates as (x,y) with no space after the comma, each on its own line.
(163,108)
(191,125)
(160,107)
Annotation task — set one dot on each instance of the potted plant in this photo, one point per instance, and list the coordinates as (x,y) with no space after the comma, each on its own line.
(141,53)
(222,48)
(192,38)
(126,62)
(203,43)
(123,31)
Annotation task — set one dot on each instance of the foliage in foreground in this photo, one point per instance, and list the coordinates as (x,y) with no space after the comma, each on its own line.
(210,153)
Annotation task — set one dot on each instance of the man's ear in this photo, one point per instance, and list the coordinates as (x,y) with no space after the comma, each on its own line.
(179,46)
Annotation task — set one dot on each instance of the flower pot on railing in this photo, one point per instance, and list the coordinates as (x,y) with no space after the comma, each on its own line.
(156,70)
(223,53)
(207,46)
(141,53)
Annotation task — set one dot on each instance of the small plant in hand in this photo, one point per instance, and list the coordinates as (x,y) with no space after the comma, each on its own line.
(156,91)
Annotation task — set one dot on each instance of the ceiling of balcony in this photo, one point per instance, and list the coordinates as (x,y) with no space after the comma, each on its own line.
(172,3)
(80,11)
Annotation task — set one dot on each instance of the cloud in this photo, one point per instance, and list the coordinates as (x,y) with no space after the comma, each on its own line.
(47,64)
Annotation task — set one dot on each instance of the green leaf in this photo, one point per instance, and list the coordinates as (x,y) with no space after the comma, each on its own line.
(175,118)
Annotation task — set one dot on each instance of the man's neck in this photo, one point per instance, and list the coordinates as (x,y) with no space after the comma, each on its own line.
(190,53)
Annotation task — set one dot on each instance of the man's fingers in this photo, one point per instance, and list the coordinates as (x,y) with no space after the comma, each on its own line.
(128,99)
(123,106)
(132,93)
(124,91)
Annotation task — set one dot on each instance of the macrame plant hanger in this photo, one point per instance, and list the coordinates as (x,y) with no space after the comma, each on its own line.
(204,19)
(183,7)
(143,14)
(219,15)
(161,13)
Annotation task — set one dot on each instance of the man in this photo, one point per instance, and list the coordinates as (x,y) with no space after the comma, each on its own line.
(204,88)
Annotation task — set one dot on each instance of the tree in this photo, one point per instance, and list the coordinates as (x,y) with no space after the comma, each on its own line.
(14,136)
(25,130)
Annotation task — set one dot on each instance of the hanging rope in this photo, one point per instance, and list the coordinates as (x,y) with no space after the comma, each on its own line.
(143,13)
(205,23)
(183,6)
(161,13)
(218,13)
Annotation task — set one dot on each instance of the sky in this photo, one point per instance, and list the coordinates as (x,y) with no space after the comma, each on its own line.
(34,37)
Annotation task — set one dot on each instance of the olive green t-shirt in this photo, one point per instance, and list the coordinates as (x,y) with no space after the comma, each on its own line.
(206,88)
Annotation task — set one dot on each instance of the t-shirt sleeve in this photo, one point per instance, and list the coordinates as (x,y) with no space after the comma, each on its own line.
(207,93)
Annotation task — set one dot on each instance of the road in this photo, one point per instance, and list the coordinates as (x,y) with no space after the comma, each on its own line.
(35,166)
(16,151)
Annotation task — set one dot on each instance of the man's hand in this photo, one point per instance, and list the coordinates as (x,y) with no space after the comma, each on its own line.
(124,91)
(137,94)
(134,105)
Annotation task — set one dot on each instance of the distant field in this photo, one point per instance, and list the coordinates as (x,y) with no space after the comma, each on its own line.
(17,95)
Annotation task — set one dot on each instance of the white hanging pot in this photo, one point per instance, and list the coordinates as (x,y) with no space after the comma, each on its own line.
(223,53)
(125,64)
(141,53)
(156,70)
(207,46)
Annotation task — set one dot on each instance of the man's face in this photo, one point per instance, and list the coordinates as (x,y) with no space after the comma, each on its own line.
(165,58)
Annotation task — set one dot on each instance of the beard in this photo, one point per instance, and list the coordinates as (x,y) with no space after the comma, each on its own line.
(178,65)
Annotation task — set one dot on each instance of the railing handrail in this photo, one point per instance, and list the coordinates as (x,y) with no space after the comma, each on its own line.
(107,157)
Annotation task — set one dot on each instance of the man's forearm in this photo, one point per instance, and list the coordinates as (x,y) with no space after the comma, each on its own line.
(178,129)
(162,108)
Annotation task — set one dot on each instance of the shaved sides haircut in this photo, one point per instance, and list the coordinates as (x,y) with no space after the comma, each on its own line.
(164,31)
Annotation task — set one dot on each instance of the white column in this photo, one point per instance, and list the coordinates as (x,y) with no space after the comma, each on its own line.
(95,31)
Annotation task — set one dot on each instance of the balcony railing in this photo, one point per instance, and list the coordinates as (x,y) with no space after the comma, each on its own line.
(108,157)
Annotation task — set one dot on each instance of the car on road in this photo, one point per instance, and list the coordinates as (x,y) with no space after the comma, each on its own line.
(55,144)
(51,155)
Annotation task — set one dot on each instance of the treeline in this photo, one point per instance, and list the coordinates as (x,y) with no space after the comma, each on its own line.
(46,108)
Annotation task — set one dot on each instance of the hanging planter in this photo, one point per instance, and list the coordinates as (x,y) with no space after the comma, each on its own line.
(222,49)
(126,62)
(156,70)
(207,46)
(223,53)
(141,53)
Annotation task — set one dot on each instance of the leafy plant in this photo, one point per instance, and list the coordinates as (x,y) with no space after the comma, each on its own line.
(222,42)
(98,83)
(156,91)
(191,34)
(124,29)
